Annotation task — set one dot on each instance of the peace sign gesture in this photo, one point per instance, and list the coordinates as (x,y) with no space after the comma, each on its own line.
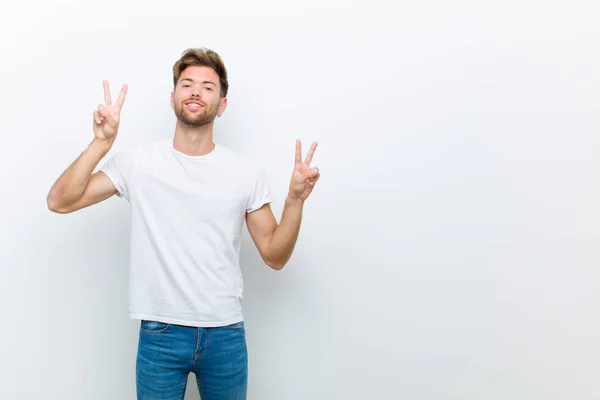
(304,178)
(107,118)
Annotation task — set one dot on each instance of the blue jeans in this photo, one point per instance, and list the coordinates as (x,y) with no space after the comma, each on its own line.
(167,353)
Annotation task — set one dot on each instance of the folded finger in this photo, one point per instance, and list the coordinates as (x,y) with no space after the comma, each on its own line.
(102,111)
(97,118)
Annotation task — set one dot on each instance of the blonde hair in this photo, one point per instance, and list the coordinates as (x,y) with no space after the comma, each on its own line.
(202,57)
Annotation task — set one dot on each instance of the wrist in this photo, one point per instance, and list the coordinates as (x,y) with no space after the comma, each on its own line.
(294,201)
(102,145)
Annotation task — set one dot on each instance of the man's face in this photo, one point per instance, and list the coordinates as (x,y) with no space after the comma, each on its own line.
(197,99)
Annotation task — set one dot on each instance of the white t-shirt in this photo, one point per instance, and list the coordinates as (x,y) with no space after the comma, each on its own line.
(187,213)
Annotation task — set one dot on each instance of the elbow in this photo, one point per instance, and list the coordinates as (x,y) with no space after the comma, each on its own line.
(56,209)
(55,206)
(52,205)
(277,265)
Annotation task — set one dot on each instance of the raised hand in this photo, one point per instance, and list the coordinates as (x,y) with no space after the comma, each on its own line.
(107,118)
(304,177)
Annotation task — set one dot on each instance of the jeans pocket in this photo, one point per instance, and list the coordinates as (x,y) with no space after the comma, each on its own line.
(153,327)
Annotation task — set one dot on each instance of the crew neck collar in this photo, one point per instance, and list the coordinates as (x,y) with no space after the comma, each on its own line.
(206,156)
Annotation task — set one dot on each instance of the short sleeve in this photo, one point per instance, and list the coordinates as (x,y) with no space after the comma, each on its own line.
(260,193)
(119,168)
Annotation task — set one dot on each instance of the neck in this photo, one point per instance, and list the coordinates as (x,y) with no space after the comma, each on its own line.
(193,141)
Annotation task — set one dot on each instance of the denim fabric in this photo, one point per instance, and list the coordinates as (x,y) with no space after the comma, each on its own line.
(167,353)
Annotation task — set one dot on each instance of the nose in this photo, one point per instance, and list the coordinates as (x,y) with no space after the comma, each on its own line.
(196,92)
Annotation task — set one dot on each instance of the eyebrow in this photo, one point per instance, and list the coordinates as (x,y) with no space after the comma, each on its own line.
(191,80)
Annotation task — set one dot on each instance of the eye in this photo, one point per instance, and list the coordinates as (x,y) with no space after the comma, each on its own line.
(207,88)
(186,85)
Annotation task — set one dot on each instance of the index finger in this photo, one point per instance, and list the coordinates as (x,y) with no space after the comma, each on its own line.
(311,153)
(298,152)
(122,95)
(107,99)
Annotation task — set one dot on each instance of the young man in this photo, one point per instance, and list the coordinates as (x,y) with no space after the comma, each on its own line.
(189,198)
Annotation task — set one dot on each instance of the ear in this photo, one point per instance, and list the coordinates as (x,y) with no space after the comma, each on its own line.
(173,100)
(223,105)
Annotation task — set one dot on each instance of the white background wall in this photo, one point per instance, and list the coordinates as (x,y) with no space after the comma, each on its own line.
(450,250)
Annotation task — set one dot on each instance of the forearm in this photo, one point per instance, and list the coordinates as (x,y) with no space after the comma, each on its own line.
(284,237)
(70,186)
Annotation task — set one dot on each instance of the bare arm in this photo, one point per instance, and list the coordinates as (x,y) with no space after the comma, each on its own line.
(274,242)
(77,187)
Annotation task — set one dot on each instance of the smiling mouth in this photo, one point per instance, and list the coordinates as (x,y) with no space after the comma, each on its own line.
(193,105)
